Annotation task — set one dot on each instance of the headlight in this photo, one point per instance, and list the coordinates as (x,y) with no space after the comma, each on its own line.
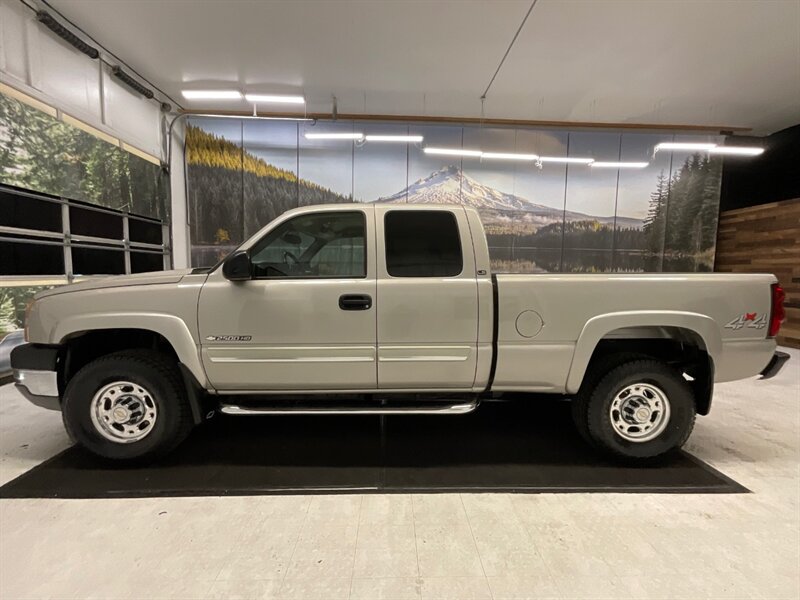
(28,308)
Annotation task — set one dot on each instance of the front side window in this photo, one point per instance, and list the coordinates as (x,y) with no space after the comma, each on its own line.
(422,243)
(324,244)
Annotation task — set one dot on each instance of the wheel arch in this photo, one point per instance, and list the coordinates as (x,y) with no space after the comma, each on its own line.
(127,330)
(679,337)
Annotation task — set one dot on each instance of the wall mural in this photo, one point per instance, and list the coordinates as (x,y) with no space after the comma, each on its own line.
(13,302)
(549,218)
(41,153)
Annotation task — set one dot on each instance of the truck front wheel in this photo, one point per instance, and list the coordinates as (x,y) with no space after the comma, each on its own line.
(127,405)
(639,410)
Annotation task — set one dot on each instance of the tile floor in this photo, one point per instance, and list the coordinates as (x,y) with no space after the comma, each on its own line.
(459,546)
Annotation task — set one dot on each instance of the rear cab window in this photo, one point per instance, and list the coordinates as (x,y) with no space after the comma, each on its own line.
(422,243)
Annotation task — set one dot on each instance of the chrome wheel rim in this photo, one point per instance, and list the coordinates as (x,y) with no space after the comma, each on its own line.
(639,412)
(123,412)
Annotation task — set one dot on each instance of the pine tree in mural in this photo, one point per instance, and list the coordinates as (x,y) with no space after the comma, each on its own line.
(708,215)
(682,218)
(148,186)
(11,139)
(693,196)
(8,321)
(39,152)
(683,205)
(44,152)
(656,216)
(13,301)
(238,192)
(587,234)
(107,180)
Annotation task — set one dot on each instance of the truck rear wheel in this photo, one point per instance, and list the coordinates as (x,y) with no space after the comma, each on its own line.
(128,405)
(639,410)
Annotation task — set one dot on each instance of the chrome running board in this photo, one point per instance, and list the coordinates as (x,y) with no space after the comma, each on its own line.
(433,408)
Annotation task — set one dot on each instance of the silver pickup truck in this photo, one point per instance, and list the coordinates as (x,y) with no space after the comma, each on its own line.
(387,308)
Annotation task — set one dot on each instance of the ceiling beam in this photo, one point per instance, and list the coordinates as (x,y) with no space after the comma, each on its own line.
(675,128)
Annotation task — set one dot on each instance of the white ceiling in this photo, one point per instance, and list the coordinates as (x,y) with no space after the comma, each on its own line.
(693,62)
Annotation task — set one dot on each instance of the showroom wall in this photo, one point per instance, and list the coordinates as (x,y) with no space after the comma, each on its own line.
(765,238)
(71,204)
(759,227)
(82,190)
(553,217)
(69,127)
(772,177)
(35,61)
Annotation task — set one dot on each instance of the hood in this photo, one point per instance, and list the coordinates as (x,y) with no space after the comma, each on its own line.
(113,281)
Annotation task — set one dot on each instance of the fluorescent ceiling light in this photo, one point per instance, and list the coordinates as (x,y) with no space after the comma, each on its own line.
(452,151)
(737,150)
(275,98)
(334,136)
(566,159)
(212,94)
(508,156)
(274,118)
(685,146)
(248,117)
(620,165)
(395,138)
(711,148)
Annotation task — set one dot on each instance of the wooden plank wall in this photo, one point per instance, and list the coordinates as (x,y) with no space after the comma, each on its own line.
(765,239)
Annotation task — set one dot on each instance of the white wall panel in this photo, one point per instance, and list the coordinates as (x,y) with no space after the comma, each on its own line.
(62,72)
(13,58)
(133,117)
(34,59)
(177,184)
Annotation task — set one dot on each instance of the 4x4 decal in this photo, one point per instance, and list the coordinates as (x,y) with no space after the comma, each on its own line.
(749,320)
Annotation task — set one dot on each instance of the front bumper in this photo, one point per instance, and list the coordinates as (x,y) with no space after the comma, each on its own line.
(35,370)
(775,365)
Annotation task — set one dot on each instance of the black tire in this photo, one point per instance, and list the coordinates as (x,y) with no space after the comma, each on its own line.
(591,410)
(592,378)
(155,372)
(579,406)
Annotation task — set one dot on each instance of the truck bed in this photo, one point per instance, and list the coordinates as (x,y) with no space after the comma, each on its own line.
(549,324)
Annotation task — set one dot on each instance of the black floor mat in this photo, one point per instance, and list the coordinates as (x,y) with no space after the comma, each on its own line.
(513,447)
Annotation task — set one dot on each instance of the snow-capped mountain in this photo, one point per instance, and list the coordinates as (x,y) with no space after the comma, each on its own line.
(449,186)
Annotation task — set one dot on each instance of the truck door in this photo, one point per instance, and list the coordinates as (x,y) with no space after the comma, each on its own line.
(305,321)
(427,298)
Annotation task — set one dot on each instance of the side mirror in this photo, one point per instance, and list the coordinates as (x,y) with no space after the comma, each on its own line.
(237,266)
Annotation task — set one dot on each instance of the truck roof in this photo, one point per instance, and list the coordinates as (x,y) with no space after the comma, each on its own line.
(393,205)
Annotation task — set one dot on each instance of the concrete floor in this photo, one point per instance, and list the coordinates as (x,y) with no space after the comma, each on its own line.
(458,546)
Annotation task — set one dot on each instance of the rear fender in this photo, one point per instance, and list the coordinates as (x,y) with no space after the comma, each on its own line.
(600,326)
